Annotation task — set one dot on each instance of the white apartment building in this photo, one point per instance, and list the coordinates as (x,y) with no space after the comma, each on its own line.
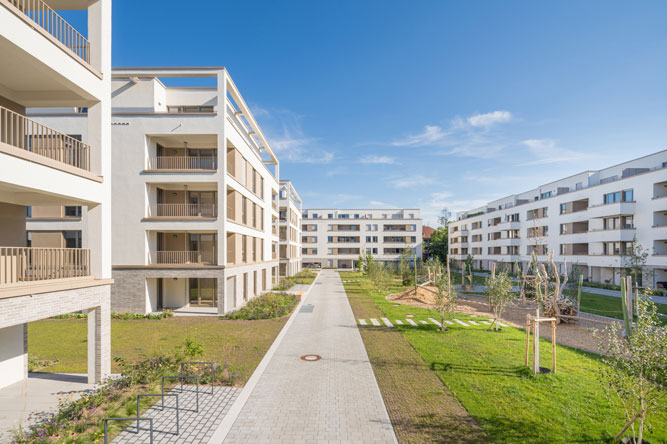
(590,219)
(336,237)
(48,63)
(195,194)
(289,227)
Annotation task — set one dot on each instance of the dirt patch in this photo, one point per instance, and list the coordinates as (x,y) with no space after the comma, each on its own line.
(577,335)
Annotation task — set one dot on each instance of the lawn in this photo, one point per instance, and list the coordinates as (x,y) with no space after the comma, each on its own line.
(484,371)
(609,306)
(240,343)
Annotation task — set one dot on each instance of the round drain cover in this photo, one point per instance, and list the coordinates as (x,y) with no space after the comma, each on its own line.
(311,358)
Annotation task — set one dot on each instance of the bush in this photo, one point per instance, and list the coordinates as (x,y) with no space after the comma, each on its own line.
(267,306)
(125,316)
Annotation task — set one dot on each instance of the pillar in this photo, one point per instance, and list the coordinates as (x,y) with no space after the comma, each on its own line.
(99,343)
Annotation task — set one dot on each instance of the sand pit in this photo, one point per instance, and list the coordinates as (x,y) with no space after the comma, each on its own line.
(573,335)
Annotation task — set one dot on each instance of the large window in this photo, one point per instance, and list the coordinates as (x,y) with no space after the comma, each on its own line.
(619,196)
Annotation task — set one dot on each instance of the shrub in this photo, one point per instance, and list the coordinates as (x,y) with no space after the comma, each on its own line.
(267,306)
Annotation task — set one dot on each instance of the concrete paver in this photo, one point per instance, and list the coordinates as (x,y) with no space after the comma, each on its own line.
(334,399)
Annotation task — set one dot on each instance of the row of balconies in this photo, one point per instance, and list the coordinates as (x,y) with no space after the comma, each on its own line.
(610,248)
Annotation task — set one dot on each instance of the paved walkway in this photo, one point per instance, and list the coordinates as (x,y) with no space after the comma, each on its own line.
(335,399)
(33,399)
(194,427)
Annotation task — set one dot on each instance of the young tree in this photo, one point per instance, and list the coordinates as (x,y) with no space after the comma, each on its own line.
(438,245)
(445,296)
(360,263)
(404,269)
(499,288)
(634,261)
(636,370)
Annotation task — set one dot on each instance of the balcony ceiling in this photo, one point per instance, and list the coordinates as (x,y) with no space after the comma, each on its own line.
(63,5)
(193,140)
(192,186)
(28,81)
(18,195)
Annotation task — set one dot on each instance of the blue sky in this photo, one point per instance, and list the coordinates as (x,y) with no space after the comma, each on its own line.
(427,104)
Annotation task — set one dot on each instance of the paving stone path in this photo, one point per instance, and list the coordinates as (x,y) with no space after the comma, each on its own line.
(194,427)
(388,323)
(335,399)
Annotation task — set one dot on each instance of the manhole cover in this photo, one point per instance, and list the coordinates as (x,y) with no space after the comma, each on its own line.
(307,308)
(311,358)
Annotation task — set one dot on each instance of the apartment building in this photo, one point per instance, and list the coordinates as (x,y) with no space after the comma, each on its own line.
(195,193)
(47,63)
(589,219)
(336,237)
(289,226)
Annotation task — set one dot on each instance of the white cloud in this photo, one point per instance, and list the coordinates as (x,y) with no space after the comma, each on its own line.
(411,181)
(432,208)
(488,119)
(430,135)
(547,151)
(378,159)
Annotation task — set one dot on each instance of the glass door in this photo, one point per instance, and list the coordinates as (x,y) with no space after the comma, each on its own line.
(202,292)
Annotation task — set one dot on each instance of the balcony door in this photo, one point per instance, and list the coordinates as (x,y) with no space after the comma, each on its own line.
(205,245)
(202,203)
(202,292)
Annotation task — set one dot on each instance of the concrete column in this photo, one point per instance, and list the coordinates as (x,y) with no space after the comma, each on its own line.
(25,349)
(99,342)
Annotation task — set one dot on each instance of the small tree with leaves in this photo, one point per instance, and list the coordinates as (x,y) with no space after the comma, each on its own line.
(500,295)
(634,262)
(445,296)
(636,370)
(406,272)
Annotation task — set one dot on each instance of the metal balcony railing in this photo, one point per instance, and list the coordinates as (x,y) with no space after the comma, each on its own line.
(50,21)
(183,257)
(24,133)
(183,210)
(24,264)
(182,163)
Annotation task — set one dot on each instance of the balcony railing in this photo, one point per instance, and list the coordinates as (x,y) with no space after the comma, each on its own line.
(183,210)
(50,21)
(182,163)
(183,257)
(23,264)
(20,132)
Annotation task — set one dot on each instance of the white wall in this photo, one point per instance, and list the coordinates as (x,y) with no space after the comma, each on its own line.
(12,355)
(174,292)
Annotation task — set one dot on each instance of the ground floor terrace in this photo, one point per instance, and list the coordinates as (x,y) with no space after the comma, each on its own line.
(215,289)
(289,267)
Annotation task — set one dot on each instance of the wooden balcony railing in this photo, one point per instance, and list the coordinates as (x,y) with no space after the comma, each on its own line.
(182,163)
(183,210)
(184,257)
(50,21)
(20,132)
(22,264)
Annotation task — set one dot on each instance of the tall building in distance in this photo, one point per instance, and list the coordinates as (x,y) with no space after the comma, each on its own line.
(590,219)
(289,227)
(48,63)
(336,237)
(195,193)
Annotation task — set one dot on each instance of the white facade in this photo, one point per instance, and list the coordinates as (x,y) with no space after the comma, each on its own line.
(41,166)
(289,229)
(588,219)
(194,180)
(336,237)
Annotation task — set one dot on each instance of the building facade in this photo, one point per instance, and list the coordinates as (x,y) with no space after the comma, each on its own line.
(589,219)
(195,193)
(50,64)
(289,229)
(336,237)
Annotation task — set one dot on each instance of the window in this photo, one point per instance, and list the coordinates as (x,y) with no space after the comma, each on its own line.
(314,215)
(619,196)
(72,239)
(563,208)
(628,196)
(579,186)
(545,195)
(356,216)
(73,211)
(330,239)
(330,216)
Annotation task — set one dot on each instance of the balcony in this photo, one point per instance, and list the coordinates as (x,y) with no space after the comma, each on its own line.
(612,209)
(28,139)
(22,264)
(183,211)
(183,258)
(37,12)
(182,163)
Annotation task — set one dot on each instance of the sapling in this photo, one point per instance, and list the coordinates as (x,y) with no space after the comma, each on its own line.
(636,367)
(445,296)
(499,287)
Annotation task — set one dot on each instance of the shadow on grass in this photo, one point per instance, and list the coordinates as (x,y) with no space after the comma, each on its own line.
(514,371)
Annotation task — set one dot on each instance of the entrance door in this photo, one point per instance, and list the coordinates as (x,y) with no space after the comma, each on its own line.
(202,292)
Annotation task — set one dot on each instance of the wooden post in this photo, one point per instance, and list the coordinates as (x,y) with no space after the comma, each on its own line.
(536,344)
(527,338)
(553,346)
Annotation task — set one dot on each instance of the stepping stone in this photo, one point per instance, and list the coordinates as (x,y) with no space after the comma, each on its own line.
(501,324)
(474,316)
(473,322)
(485,322)
(449,323)
(435,322)
(375,322)
(399,322)
(362,322)
(461,322)
(424,322)
(387,322)
(413,323)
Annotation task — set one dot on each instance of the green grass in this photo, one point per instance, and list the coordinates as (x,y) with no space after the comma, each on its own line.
(485,371)
(609,306)
(240,343)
